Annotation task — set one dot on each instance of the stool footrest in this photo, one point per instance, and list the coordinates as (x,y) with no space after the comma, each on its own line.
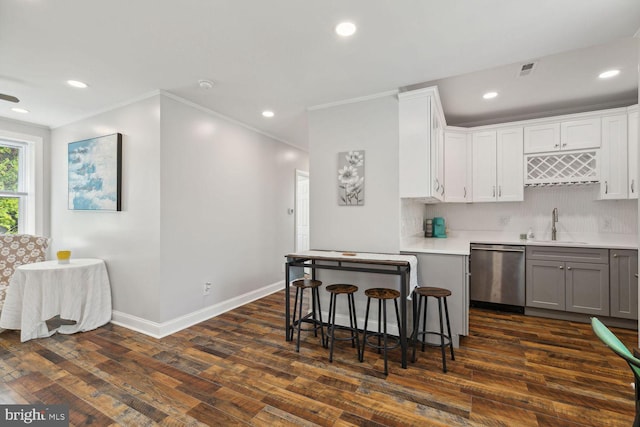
(448,341)
(316,325)
(342,328)
(396,341)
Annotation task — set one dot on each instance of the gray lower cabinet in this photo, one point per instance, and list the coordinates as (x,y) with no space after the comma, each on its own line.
(623,266)
(545,284)
(558,280)
(587,288)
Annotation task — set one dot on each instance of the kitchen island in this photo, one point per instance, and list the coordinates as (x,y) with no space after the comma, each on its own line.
(401,266)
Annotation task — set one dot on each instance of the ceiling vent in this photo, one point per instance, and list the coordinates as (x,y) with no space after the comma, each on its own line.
(526,69)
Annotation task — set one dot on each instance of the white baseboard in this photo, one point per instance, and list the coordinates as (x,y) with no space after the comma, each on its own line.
(160,330)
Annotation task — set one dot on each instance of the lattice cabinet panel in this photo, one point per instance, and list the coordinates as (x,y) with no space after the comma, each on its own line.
(566,168)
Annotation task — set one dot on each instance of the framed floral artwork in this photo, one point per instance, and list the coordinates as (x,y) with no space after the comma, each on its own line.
(351,178)
(95,176)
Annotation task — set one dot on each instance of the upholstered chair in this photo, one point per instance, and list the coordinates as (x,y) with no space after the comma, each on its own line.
(16,250)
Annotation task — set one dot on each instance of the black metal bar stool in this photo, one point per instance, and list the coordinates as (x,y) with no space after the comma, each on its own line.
(382,295)
(441,295)
(315,316)
(349,290)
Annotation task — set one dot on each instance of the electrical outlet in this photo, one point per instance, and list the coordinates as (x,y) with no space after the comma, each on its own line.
(207,288)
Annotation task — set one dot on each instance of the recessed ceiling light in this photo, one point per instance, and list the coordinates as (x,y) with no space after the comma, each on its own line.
(268,113)
(19,110)
(346,29)
(76,83)
(609,73)
(490,95)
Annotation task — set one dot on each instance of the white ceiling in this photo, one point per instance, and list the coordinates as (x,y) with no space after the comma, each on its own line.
(283,55)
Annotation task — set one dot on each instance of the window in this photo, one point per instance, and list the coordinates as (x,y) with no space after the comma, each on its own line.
(13,187)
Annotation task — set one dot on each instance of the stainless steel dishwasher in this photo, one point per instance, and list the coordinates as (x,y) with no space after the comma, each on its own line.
(497,277)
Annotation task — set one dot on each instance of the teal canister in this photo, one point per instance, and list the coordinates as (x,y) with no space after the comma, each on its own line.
(439,229)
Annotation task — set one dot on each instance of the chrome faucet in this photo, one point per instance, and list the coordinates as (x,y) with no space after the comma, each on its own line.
(554,219)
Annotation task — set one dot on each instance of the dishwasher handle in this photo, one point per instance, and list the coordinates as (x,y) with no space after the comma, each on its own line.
(497,249)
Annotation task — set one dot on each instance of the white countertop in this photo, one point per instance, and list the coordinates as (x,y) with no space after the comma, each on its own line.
(457,242)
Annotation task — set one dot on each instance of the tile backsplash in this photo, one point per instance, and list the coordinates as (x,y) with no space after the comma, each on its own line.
(578,207)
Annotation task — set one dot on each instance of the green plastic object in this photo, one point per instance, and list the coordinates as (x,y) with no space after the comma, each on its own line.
(611,341)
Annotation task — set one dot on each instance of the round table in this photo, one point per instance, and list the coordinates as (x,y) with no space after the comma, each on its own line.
(79,291)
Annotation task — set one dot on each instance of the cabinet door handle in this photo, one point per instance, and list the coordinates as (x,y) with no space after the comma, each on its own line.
(564,145)
(615,255)
(633,181)
(465,192)
(556,145)
(561,267)
(499,190)
(636,275)
(568,268)
(442,192)
(494,191)
(436,184)
(606,187)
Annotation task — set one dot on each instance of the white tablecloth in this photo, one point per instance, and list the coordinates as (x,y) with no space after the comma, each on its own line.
(77,291)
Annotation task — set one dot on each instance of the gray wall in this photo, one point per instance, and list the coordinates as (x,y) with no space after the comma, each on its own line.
(225,194)
(371,126)
(204,199)
(128,241)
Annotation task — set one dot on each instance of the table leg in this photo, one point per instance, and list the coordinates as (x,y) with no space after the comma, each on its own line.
(287,304)
(404,286)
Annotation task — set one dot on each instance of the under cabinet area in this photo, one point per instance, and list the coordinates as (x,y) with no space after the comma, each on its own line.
(568,279)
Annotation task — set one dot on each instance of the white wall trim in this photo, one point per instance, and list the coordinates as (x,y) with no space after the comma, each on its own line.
(111,108)
(161,330)
(36,190)
(353,100)
(227,118)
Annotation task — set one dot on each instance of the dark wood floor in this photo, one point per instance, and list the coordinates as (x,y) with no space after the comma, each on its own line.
(237,369)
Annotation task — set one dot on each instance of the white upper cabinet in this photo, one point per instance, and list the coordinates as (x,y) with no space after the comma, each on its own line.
(484,154)
(567,135)
(580,134)
(457,167)
(541,138)
(498,165)
(632,150)
(613,157)
(510,165)
(421,142)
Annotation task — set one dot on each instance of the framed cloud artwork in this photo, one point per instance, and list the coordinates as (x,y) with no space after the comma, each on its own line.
(351,178)
(95,173)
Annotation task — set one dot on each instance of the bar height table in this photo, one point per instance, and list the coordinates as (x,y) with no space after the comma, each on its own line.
(404,266)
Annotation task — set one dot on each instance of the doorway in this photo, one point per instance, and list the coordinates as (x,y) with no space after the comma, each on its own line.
(302,211)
